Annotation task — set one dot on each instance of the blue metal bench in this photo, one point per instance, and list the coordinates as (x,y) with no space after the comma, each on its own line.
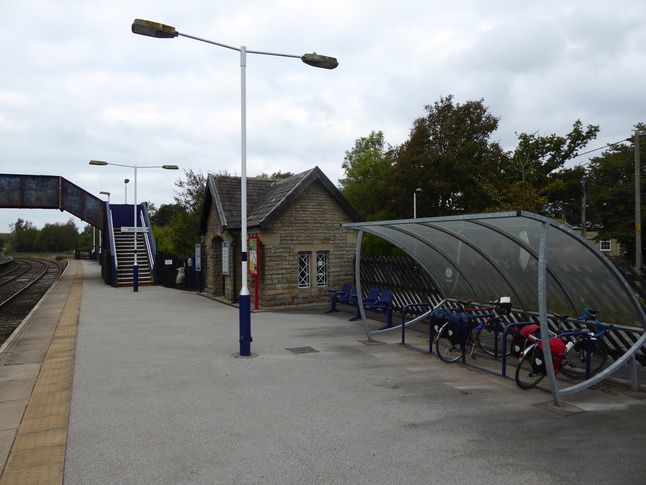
(341,296)
(378,305)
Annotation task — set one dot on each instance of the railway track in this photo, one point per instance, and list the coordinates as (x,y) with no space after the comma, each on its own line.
(23,282)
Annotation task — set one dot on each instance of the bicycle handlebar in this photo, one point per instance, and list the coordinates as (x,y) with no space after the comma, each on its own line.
(590,318)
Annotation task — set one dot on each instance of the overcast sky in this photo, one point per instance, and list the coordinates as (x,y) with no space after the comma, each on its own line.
(76,84)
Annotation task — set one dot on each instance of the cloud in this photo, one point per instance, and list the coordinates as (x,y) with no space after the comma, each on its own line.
(78,85)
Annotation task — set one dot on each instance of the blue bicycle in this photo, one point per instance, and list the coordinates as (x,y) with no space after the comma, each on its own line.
(576,359)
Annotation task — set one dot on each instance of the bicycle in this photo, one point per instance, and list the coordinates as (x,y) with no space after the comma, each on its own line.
(459,333)
(569,357)
(579,357)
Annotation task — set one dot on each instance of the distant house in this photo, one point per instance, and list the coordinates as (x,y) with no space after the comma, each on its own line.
(608,246)
(303,249)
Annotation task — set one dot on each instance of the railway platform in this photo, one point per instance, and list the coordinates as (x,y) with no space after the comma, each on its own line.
(104,385)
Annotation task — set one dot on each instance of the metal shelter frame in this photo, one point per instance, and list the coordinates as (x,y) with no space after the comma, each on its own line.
(546,267)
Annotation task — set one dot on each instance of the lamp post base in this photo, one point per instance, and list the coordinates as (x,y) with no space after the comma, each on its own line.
(135,278)
(245,325)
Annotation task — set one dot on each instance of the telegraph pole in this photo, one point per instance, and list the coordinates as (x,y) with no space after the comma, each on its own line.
(638,207)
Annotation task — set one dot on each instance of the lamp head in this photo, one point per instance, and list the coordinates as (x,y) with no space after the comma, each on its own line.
(98,162)
(170,167)
(153,29)
(324,62)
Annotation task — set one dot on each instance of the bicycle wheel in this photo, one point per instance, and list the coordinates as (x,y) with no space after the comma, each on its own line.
(445,349)
(526,376)
(574,362)
(487,339)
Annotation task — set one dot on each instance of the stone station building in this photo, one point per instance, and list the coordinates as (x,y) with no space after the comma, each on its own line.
(303,250)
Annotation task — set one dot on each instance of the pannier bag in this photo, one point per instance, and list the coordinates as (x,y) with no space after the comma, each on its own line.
(439,318)
(558,348)
(459,327)
(519,340)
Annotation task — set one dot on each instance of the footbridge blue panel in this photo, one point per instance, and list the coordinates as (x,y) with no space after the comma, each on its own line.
(51,192)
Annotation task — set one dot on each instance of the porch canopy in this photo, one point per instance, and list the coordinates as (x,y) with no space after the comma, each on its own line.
(544,266)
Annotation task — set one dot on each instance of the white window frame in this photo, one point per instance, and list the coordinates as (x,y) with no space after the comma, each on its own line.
(322,261)
(605,245)
(304,269)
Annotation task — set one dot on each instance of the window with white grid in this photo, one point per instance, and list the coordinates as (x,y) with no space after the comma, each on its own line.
(321,268)
(605,245)
(304,269)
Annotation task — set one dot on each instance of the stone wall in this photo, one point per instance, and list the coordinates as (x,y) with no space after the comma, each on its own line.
(312,224)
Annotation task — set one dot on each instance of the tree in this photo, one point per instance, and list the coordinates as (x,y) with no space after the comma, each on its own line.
(367,177)
(24,234)
(87,238)
(450,156)
(537,157)
(193,189)
(181,230)
(611,193)
(57,237)
(165,214)
(520,196)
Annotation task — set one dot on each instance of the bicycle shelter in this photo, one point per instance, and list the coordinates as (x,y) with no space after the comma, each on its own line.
(545,266)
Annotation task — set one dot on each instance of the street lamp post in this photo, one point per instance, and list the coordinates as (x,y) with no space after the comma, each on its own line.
(125,186)
(417,190)
(155,29)
(135,266)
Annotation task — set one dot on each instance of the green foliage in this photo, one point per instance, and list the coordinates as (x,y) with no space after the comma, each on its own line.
(87,238)
(51,238)
(450,156)
(24,235)
(539,161)
(274,176)
(367,177)
(519,196)
(176,226)
(192,191)
(538,157)
(57,237)
(611,193)
(165,214)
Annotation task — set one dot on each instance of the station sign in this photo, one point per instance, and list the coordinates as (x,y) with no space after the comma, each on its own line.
(134,229)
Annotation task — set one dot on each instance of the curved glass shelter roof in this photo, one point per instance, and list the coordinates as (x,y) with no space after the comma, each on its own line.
(485,256)
(545,267)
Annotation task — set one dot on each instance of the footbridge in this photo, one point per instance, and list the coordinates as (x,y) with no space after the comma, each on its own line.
(116,221)
(51,192)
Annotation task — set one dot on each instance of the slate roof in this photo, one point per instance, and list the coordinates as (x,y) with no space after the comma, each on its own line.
(267,199)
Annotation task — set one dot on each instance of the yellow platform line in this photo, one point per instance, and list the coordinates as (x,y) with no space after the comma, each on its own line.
(38,453)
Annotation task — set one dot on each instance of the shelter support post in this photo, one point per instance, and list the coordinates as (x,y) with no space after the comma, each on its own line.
(357,272)
(542,315)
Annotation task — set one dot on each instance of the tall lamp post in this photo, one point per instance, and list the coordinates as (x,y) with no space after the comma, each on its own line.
(125,187)
(417,190)
(155,29)
(135,267)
